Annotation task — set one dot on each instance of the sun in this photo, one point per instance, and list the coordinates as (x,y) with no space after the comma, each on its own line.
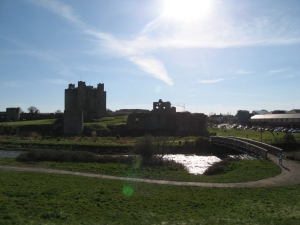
(186,10)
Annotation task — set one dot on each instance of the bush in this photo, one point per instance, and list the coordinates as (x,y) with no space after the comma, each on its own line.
(201,142)
(218,167)
(289,139)
(71,156)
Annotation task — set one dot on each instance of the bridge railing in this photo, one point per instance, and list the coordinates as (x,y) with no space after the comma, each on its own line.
(271,149)
(239,145)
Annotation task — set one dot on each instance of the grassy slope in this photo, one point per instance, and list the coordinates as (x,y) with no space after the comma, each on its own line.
(34,198)
(107,121)
(29,122)
(239,171)
(251,134)
(98,125)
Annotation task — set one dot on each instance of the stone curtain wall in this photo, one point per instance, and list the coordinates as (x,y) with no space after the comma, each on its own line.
(172,123)
(13,114)
(73,121)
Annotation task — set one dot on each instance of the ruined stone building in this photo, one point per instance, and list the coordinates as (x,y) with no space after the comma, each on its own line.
(13,114)
(163,119)
(82,104)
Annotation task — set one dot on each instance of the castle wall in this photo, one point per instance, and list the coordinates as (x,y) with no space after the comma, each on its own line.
(70,99)
(13,114)
(73,121)
(181,124)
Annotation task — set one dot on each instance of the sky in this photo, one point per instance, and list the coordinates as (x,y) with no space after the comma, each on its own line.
(205,56)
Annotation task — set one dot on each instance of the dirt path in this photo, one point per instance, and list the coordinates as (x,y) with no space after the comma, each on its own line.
(290,175)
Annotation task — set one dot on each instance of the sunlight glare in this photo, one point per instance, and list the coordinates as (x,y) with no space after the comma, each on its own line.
(186,10)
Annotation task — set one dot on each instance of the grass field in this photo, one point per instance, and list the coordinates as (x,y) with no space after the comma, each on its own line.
(29,122)
(97,125)
(107,121)
(238,171)
(35,198)
(250,134)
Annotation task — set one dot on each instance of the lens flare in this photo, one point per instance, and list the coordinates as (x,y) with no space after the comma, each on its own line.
(127,190)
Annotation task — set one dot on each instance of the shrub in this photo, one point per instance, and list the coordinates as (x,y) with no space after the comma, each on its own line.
(201,142)
(71,156)
(145,147)
(218,167)
(289,139)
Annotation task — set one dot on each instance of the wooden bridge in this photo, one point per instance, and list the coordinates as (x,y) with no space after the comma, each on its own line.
(255,148)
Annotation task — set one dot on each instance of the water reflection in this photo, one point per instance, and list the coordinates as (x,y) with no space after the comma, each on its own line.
(9,154)
(198,164)
(194,163)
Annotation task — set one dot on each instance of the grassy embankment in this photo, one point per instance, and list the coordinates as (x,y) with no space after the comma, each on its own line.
(36,198)
(237,171)
(251,134)
(33,140)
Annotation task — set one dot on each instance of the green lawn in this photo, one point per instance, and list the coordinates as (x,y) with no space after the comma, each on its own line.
(97,125)
(251,134)
(107,121)
(36,198)
(28,122)
(237,171)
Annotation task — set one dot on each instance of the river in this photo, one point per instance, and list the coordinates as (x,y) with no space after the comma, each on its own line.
(9,153)
(195,164)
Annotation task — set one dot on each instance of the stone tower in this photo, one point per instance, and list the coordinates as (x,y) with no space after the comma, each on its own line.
(92,101)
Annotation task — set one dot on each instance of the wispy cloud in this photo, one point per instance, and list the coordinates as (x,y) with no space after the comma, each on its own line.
(210,81)
(13,84)
(243,72)
(133,50)
(153,67)
(54,81)
(162,33)
(278,70)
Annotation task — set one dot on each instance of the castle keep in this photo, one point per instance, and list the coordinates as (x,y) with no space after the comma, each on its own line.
(92,101)
(83,104)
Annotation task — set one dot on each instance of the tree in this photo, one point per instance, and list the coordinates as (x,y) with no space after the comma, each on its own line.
(58,111)
(33,109)
(149,146)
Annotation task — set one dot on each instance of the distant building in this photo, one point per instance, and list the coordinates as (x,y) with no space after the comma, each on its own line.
(286,120)
(294,111)
(216,118)
(259,112)
(13,114)
(278,112)
(164,120)
(243,116)
(3,116)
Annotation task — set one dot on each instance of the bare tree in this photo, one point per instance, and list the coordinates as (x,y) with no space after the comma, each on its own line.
(33,109)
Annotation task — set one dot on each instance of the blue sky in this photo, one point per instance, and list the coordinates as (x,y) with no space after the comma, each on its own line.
(209,56)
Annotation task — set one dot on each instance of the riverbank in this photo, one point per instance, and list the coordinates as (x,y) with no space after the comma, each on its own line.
(41,198)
